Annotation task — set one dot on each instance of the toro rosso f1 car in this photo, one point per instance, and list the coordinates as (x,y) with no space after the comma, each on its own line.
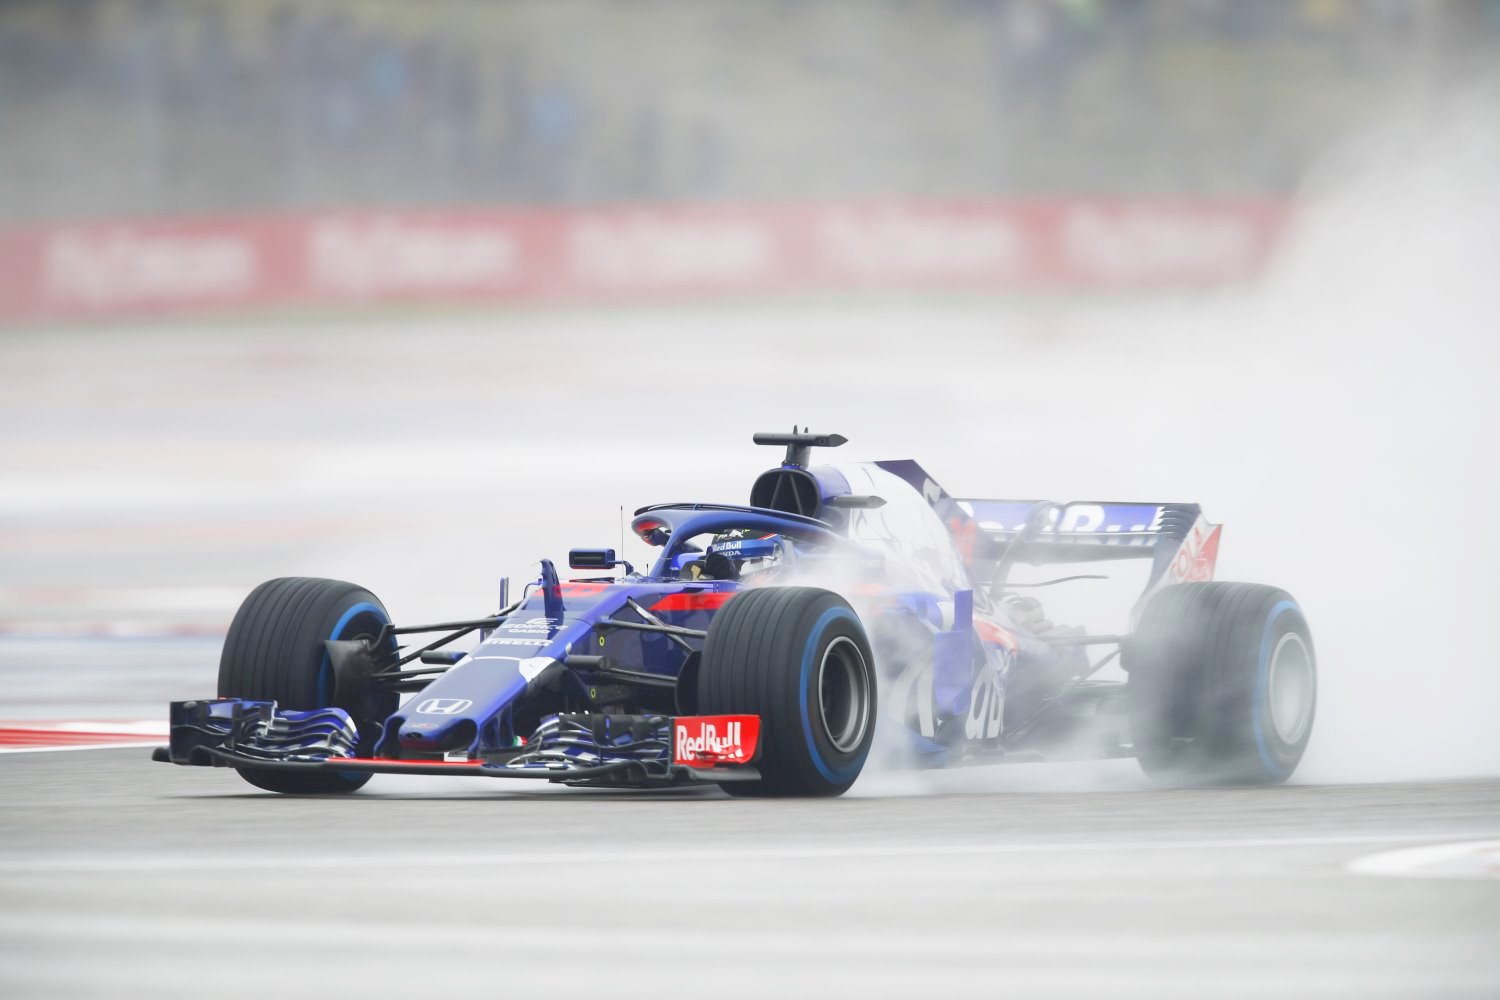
(766,642)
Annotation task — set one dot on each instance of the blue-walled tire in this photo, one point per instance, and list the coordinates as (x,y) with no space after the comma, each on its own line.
(798,658)
(274,652)
(1223,684)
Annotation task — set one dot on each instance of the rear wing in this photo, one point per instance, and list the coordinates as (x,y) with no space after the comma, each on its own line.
(1182,544)
(1080,531)
(994,535)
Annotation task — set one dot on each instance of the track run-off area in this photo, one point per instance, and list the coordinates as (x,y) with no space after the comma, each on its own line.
(155,474)
(123,878)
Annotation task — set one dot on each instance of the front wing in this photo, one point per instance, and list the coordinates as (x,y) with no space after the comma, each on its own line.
(570,748)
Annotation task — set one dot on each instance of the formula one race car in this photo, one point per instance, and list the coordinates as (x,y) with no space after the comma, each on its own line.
(754,653)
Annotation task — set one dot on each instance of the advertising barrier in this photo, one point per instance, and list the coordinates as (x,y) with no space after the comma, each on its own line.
(612,253)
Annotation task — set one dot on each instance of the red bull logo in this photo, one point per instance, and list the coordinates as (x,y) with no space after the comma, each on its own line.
(709,740)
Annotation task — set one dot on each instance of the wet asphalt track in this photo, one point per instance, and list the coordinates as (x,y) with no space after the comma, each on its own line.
(153,477)
(123,878)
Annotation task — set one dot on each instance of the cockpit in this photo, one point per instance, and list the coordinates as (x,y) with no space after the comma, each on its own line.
(724,542)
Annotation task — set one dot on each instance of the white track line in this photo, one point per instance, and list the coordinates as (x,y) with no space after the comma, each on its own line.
(140,743)
(13,863)
(1469,859)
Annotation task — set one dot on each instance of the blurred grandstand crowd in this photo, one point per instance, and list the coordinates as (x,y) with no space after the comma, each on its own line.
(153,107)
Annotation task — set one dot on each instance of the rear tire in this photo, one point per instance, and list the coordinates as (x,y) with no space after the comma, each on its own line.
(1223,684)
(274,652)
(798,658)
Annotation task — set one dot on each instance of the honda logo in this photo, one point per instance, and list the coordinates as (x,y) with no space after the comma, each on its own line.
(443,706)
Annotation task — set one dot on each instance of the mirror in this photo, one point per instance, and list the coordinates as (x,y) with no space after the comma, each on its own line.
(592,559)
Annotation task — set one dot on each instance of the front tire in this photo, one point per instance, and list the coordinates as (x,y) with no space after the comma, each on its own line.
(274,652)
(1223,684)
(798,658)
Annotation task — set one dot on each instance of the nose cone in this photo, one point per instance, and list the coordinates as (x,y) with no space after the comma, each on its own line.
(437,725)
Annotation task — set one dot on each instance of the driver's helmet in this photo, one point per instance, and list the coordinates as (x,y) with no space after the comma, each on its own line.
(752,552)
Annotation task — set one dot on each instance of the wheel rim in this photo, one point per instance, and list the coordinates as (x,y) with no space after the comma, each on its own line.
(844,694)
(1291,688)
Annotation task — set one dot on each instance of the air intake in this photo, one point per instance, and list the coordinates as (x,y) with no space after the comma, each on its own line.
(789,490)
